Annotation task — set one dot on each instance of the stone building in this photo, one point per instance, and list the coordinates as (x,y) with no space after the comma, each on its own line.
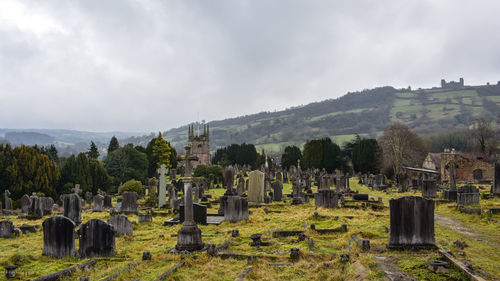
(469,167)
(432,161)
(452,84)
(199,146)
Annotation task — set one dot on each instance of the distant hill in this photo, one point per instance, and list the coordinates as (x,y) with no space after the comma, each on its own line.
(367,113)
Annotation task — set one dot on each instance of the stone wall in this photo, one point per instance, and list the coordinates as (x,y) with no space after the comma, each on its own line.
(466,165)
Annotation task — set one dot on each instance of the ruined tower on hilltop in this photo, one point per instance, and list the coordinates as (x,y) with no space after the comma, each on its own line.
(200,147)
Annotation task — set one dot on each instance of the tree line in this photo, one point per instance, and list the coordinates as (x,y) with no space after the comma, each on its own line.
(27,169)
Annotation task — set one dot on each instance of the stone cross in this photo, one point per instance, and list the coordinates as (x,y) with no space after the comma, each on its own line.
(189,236)
(77,189)
(162,194)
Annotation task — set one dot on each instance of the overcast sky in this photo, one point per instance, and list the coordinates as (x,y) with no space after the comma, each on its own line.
(106,65)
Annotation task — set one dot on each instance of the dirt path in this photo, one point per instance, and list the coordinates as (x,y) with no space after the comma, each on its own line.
(458,227)
(391,269)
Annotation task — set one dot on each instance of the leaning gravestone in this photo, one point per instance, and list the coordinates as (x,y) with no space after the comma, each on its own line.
(256,187)
(6,229)
(72,207)
(236,209)
(97,239)
(121,224)
(98,205)
(25,204)
(412,223)
(129,203)
(58,237)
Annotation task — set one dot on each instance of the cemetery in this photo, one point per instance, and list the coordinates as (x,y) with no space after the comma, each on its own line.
(315,226)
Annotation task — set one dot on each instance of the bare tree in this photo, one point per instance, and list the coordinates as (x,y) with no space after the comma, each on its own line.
(401,147)
(483,132)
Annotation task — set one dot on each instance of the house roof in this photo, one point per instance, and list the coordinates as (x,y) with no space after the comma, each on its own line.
(436,158)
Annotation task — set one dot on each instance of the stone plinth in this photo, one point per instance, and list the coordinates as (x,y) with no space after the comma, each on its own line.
(189,236)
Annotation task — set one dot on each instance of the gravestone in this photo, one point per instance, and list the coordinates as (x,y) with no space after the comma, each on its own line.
(172,197)
(199,213)
(47,203)
(145,218)
(88,197)
(277,190)
(467,195)
(36,208)
(495,187)
(229,180)
(98,203)
(25,204)
(7,200)
(236,209)
(240,189)
(72,207)
(429,189)
(411,223)
(96,239)
(6,229)
(121,224)
(172,174)
(279,176)
(341,185)
(108,201)
(326,198)
(189,236)
(256,187)
(162,192)
(129,203)
(58,237)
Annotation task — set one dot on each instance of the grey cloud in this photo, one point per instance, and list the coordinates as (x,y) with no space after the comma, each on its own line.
(153,65)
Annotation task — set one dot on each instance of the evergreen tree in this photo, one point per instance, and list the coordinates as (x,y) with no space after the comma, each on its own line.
(160,152)
(323,153)
(113,145)
(126,163)
(290,156)
(87,172)
(93,151)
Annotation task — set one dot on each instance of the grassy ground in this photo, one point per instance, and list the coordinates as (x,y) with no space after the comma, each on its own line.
(322,263)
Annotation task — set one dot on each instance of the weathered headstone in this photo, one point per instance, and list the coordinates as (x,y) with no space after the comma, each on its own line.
(412,223)
(277,190)
(47,203)
(236,209)
(36,208)
(326,198)
(229,180)
(25,204)
(97,239)
(72,207)
(162,192)
(129,203)
(58,237)
(256,187)
(6,229)
(122,225)
(429,189)
(199,213)
(108,201)
(189,236)
(240,189)
(495,187)
(145,218)
(88,197)
(7,200)
(467,195)
(98,205)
